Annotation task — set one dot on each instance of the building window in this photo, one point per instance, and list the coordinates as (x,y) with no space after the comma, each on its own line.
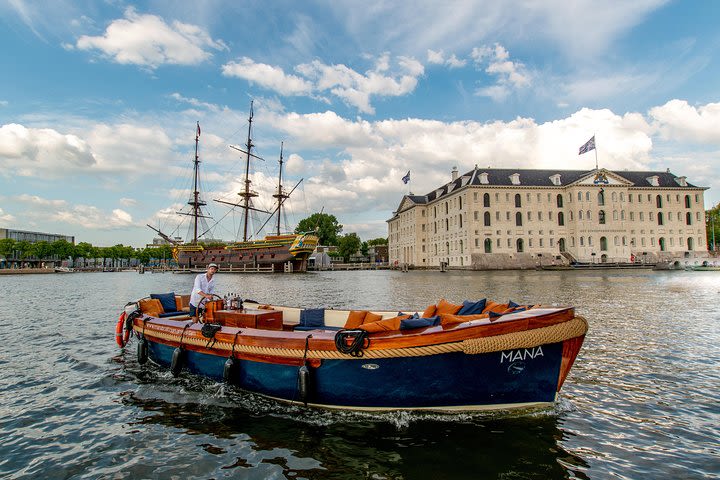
(587,196)
(603,244)
(601,217)
(688,218)
(520,246)
(632,216)
(560,200)
(601,197)
(687,201)
(615,215)
(460,217)
(580,215)
(561,219)
(487,219)
(488,245)
(579,196)
(614,196)
(476,215)
(518,219)
(588,215)
(518,200)
(497,216)
(529,216)
(660,218)
(658,201)
(582,241)
(486,200)
(642,216)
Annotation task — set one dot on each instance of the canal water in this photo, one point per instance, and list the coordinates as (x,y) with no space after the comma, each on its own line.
(642,401)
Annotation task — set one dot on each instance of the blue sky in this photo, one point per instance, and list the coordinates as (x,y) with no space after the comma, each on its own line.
(99,102)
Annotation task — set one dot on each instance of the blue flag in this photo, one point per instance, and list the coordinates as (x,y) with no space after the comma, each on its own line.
(406,178)
(589,145)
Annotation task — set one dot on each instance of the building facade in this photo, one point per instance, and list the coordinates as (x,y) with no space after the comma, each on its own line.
(505,218)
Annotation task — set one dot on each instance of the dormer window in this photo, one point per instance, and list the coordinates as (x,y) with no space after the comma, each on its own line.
(682,181)
(555,179)
(654,180)
(515,179)
(484,178)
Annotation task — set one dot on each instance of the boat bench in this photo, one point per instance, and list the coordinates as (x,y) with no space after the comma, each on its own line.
(306,319)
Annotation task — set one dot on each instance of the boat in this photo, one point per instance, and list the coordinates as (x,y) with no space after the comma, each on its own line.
(480,355)
(278,252)
(64,270)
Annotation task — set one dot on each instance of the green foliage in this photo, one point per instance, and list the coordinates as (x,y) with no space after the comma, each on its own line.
(348,245)
(712,227)
(364,248)
(7,247)
(327,226)
(377,241)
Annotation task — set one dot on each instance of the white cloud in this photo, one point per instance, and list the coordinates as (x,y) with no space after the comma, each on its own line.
(267,76)
(41,151)
(93,218)
(677,120)
(147,40)
(353,88)
(6,217)
(43,202)
(510,75)
(128,202)
(438,58)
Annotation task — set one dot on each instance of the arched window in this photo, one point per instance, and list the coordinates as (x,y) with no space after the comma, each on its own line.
(687,201)
(518,200)
(660,217)
(460,217)
(487,219)
(588,214)
(601,197)
(488,245)
(561,219)
(520,245)
(603,244)
(582,241)
(662,244)
(561,244)
(579,196)
(658,201)
(580,215)
(601,217)
(461,247)
(690,243)
(688,218)
(486,200)
(518,219)
(559,200)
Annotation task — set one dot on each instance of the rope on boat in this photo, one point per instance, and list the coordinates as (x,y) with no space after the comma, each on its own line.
(576,327)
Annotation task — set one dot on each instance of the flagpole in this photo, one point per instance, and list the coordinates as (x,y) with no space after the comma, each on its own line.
(596,160)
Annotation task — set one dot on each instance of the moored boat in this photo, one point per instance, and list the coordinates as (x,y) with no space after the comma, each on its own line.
(475,356)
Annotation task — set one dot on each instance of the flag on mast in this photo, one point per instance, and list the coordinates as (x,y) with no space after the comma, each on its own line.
(589,145)
(406,178)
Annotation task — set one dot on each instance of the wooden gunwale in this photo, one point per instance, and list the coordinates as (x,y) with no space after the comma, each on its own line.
(325,340)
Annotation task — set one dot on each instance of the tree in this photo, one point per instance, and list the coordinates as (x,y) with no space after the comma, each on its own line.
(327,226)
(712,227)
(377,241)
(63,249)
(42,250)
(348,245)
(7,247)
(364,246)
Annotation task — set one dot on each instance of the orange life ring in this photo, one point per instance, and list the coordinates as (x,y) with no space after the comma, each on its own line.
(121,337)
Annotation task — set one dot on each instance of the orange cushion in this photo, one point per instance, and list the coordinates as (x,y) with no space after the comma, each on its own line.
(387,325)
(355,318)
(371,317)
(491,306)
(446,307)
(429,311)
(151,306)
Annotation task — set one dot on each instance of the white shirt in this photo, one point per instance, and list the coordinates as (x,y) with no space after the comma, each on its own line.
(202,284)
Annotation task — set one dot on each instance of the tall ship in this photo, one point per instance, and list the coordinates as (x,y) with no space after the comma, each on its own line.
(277,252)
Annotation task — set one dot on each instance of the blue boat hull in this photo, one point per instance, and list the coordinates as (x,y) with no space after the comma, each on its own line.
(445,381)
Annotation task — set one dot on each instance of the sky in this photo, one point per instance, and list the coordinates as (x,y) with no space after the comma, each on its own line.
(100,101)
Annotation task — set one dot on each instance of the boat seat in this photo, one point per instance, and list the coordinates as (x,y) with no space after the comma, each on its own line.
(173,314)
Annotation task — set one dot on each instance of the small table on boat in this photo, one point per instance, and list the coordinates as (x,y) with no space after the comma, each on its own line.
(250,318)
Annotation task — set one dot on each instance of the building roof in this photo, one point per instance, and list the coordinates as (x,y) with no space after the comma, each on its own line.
(502,177)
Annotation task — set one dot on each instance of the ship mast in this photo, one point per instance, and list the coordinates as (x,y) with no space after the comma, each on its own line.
(280,195)
(195,202)
(247,194)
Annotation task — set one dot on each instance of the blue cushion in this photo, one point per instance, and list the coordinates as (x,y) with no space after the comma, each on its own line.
(493,315)
(416,322)
(312,317)
(512,304)
(473,308)
(173,314)
(167,300)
